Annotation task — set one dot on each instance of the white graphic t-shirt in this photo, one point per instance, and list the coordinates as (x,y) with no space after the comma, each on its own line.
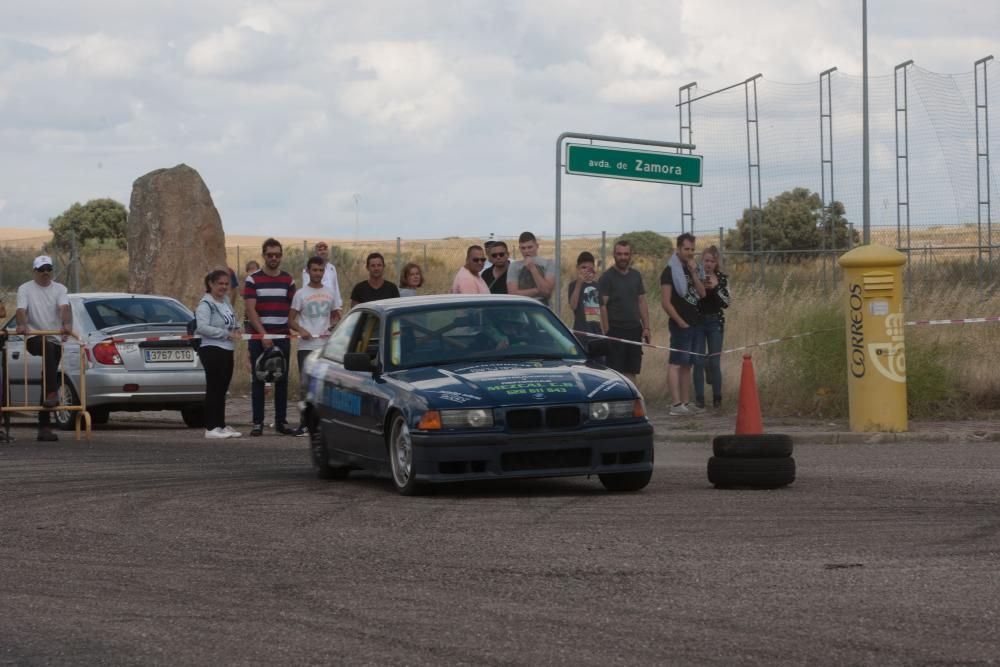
(314,306)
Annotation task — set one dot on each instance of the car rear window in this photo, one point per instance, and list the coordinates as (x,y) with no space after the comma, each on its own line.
(115,312)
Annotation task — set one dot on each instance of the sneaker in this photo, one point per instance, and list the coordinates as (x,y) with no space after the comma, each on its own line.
(717,402)
(301,432)
(284,430)
(216,434)
(679,410)
(233,433)
(694,408)
(46,435)
(257,431)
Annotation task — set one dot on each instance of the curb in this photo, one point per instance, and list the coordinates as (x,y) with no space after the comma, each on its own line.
(843,438)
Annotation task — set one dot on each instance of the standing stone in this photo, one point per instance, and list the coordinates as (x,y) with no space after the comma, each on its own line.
(174,235)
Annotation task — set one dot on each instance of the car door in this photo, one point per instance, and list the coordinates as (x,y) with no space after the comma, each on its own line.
(367,390)
(326,381)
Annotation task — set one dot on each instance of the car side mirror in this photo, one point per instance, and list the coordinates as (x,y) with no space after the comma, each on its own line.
(597,347)
(359,361)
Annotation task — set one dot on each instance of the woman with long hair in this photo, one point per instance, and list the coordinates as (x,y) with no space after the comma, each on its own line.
(708,335)
(410,279)
(219,331)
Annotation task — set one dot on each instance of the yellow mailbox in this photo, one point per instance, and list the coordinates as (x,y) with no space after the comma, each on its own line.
(876,355)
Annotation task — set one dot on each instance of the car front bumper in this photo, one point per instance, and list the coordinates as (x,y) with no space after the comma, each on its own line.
(445,457)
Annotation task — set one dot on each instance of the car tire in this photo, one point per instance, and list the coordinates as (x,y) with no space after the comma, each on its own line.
(65,420)
(625,481)
(401,458)
(194,417)
(756,446)
(756,473)
(99,416)
(321,455)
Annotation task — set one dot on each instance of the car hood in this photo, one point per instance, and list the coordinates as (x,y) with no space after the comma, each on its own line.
(518,382)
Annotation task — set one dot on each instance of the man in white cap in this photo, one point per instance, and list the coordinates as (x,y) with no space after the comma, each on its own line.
(43,304)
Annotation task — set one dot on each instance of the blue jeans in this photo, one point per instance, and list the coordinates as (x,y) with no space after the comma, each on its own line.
(708,335)
(280,387)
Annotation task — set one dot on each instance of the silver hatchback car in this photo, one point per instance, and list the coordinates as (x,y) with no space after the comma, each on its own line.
(124,372)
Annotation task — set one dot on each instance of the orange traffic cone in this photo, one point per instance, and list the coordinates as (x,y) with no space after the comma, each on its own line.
(748,420)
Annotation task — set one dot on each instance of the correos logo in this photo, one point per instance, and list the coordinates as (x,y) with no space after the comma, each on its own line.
(857,332)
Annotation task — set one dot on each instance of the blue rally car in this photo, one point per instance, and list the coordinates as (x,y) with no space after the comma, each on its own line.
(454,388)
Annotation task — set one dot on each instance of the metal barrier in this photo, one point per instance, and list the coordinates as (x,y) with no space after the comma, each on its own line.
(82,416)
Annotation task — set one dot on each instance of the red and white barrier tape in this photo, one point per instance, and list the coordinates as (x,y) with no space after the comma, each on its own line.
(968,320)
(185,337)
(711,354)
(773,341)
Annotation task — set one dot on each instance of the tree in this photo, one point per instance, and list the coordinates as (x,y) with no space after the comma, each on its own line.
(794,220)
(98,220)
(648,244)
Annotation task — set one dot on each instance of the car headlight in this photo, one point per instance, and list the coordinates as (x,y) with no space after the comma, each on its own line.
(605,410)
(477,418)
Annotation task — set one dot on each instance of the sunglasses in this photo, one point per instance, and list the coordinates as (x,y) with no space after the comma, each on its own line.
(498,255)
(44,269)
(479,260)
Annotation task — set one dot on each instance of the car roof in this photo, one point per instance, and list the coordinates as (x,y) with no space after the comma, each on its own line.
(389,306)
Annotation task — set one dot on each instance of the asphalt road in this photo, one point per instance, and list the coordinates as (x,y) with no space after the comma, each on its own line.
(150,545)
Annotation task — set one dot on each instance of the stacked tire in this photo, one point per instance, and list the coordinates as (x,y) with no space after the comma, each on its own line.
(760,461)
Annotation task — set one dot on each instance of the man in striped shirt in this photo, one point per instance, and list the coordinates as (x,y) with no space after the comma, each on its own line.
(268,294)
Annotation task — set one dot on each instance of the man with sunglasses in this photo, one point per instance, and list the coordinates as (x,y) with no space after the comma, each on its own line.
(468,280)
(495,275)
(43,304)
(268,295)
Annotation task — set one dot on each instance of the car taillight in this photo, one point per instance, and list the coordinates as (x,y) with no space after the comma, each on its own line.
(106,353)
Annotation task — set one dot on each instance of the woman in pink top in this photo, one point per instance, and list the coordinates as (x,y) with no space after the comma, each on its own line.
(467,280)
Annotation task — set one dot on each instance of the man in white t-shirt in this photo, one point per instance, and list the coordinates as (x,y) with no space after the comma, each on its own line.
(43,304)
(322,250)
(314,312)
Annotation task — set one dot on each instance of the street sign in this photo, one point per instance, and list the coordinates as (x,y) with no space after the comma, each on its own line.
(633,165)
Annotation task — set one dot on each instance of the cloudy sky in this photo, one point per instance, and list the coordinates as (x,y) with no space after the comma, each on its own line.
(440,116)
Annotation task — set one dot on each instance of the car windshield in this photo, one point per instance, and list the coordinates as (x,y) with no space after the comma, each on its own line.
(118,311)
(495,332)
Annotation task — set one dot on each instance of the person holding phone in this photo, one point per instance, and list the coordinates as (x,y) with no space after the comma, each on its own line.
(585,299)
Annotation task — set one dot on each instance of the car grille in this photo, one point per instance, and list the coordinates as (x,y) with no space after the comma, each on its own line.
(535,419)
(546,459)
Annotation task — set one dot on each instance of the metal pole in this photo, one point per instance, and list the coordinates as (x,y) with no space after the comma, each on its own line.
(687,204)
(558,236)
(604,250)
(74,260)
(425,259)
(399,256)
(865,175)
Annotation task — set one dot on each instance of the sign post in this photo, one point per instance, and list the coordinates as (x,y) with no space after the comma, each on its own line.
(622,163)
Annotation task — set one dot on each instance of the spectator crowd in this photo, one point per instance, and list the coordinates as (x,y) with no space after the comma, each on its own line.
(612,306)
